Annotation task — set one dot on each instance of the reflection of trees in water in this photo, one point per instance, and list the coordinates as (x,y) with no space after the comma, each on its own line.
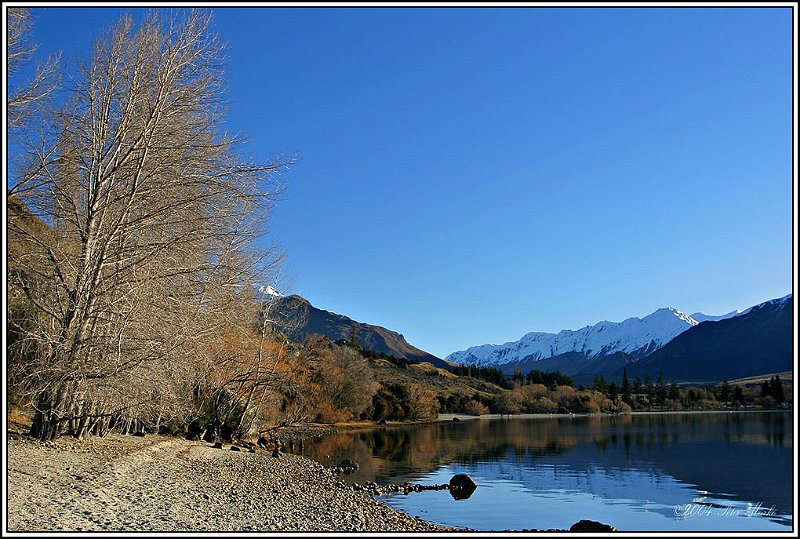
(409,450)
(397,450)
(775,432)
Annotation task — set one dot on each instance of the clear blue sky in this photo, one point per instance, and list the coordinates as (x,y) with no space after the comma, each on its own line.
(469,175)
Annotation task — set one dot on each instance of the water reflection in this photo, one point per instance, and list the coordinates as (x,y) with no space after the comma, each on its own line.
(635,468)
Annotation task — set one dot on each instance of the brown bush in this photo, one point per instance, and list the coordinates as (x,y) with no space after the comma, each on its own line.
(474,407)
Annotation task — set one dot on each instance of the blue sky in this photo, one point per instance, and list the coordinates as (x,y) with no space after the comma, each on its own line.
(466,176)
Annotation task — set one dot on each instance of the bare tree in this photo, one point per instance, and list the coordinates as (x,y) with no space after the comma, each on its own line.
(26,100)
(256,371)
(153,222)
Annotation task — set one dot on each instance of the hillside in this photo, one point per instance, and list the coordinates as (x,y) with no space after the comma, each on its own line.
(298,319)
(577,366)
(440,381)
(756,342)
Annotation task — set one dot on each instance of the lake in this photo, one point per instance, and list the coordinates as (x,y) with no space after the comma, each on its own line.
(640,472)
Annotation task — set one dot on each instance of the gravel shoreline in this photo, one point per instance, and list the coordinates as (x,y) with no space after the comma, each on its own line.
(160,483)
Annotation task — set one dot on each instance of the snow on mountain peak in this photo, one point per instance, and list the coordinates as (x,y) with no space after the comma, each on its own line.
(635,336)
(670,311)
(784,299)
(269,292)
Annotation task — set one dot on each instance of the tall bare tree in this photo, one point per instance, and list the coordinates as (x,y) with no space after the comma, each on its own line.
(153,218)
(27,98)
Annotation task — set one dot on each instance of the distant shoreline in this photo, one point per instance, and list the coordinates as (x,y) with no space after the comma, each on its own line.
(462,417)
(445,418)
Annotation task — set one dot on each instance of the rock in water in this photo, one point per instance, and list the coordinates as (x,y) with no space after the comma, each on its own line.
(234,448)
(218,445)
(462,486)
(456,420)
(591,526)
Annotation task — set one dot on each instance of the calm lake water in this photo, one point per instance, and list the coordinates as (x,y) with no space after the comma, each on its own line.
(660,472)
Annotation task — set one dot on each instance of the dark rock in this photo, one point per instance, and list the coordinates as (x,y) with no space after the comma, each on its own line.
(263,442)
(251,450)
(591,526)
(218,445)
(462,486)
(276,453)
(348,466)
(456,420)
(140,434)
(234,448)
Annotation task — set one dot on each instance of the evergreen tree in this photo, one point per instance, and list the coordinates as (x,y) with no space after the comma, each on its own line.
(613,391)
(599,384)
(777,390)
(766,388)
(661,389)
(724,392)
(626,387)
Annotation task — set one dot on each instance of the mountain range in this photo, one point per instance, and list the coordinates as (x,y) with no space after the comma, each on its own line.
(699,347)
(637,337)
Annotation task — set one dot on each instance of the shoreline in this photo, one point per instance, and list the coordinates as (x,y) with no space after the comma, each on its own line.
(163,483)
(449,417)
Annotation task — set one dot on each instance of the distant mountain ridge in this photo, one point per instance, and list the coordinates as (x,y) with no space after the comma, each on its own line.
(757,341)
(637,337)
(652,344)
(296,317)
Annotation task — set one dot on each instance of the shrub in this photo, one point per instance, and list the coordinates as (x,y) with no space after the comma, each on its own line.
(474,407)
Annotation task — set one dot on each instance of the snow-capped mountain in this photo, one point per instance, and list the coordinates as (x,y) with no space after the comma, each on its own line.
(266,293)
(635,336)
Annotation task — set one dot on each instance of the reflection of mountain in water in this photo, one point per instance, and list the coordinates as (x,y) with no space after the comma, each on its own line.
(740,456)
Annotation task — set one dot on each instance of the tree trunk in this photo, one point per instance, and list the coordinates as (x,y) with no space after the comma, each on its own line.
(47,422)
